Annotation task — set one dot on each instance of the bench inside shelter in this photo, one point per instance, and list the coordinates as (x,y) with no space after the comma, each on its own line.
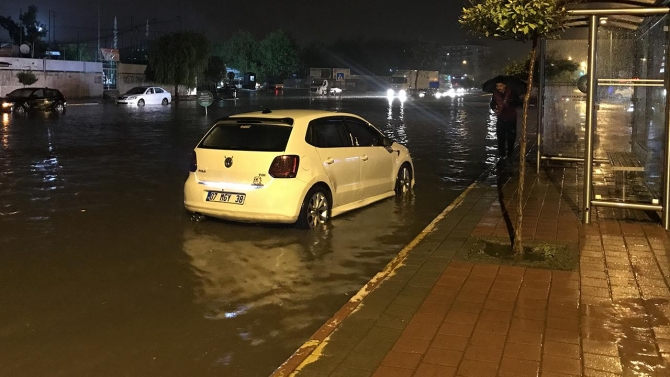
(624,162)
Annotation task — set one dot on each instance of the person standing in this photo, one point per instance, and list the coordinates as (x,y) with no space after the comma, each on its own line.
(504,103)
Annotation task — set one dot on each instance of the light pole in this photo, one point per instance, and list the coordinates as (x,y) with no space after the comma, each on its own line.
(179,17)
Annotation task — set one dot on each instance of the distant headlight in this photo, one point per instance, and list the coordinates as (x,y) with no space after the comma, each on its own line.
(390,92)
(402,93)
(6,104)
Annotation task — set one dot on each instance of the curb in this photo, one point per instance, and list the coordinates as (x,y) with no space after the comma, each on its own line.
(305,354)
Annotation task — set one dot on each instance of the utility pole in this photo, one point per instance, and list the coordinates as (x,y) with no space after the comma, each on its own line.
(97,52)
(179,17)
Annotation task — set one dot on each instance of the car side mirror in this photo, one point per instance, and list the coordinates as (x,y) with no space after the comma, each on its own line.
(387,142)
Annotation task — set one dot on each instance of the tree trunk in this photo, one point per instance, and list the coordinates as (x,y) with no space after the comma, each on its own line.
(176,92)
(518,230)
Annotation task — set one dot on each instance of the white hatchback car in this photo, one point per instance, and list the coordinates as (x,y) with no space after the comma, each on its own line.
(145,95)
(293,166)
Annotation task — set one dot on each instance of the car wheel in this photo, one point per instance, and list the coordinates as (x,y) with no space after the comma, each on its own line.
(164,102)
(21,109)
(58,107)
(315,208)
(403,182)
(140,102)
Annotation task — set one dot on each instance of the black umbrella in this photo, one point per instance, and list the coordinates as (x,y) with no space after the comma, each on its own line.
(516,84)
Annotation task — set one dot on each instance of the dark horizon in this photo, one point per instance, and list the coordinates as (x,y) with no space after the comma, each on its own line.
(305,21)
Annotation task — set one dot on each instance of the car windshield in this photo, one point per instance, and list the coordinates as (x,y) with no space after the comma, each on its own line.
(21,93)
(248,137)
(137,90)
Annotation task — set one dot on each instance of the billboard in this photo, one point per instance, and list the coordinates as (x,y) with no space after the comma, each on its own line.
(110,54)
(320,73)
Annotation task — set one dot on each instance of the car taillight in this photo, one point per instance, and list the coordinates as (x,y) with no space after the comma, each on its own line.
(284,166)
(193,166)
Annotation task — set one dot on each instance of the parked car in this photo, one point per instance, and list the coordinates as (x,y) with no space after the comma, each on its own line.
(20,101)
(226,91)
(293,166)
(145,95)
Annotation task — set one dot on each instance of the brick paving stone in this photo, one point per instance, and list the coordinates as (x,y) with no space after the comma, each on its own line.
(473,368)
(387,371)
(442,357)
(404,360)
(434,370)
(450,342)
(518,368)
(561,365)
(487,354)
(610,318)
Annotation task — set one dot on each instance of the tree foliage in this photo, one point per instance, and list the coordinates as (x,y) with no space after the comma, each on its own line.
(240,52)
(521,20)
(178,58)
(277,55)
(26,78)
(28,30)
(215,71)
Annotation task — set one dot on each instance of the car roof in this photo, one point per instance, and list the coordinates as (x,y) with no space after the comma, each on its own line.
(298,115)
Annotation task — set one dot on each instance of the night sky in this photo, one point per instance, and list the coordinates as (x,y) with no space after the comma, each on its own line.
(305,20)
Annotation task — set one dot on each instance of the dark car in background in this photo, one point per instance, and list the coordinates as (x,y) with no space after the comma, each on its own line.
(20,101)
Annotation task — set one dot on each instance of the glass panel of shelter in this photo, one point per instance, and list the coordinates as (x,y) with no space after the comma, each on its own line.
(630,108)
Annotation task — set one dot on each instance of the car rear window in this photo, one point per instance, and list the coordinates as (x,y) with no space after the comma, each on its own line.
(248,137)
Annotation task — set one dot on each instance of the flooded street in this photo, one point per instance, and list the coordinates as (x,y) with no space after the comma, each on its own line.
(103,273)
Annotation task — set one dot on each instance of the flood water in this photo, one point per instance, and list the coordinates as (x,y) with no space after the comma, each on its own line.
(103,273)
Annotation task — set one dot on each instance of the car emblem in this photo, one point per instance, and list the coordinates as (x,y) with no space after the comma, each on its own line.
(258,180)
(228,162)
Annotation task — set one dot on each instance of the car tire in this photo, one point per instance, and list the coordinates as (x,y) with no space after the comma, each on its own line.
(59,108)
(140,102)
(315,208)
(403,181)
(164,101)
(20,109)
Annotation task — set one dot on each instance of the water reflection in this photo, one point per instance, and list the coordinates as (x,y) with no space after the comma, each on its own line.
(242,269)
(395,122)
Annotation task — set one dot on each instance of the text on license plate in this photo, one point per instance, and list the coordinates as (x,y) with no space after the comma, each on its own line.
(225,197)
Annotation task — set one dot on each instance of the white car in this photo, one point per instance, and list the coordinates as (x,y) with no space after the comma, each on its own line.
(293,166)
(145,95)
(326,89)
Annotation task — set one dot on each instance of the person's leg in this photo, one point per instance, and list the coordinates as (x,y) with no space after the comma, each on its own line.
(511,137)
(501,134)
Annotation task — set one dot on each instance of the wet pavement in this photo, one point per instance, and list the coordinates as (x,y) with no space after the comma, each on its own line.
(435,312)
(103,273)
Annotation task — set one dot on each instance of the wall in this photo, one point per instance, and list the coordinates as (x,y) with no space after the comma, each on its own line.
(75,79)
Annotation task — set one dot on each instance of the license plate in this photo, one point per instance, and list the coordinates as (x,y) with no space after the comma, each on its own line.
(225,197)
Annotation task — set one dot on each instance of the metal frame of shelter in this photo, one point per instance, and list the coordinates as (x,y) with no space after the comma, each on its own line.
(590,16)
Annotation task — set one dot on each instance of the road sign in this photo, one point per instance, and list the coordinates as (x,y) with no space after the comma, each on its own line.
(205,98)
(339,76)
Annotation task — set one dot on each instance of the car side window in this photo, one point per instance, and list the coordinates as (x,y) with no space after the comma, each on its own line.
(159,90)
(39,93)
(150,91)
(327,132)
(363,135)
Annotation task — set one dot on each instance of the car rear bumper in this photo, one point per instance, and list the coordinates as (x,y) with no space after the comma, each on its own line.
(277,202)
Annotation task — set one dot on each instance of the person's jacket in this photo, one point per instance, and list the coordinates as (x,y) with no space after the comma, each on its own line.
(505,104)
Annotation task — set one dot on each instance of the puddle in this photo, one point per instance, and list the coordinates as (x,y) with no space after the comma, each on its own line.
(542,255)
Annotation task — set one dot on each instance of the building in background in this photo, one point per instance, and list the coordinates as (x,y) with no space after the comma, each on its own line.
(474,61)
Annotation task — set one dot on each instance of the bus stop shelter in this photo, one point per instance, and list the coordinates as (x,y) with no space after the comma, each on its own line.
(612,115)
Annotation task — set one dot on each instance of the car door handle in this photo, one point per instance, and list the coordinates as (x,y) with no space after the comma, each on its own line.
(365,157)
(329,161)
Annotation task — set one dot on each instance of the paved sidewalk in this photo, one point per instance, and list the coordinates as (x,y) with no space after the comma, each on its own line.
(432,313)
